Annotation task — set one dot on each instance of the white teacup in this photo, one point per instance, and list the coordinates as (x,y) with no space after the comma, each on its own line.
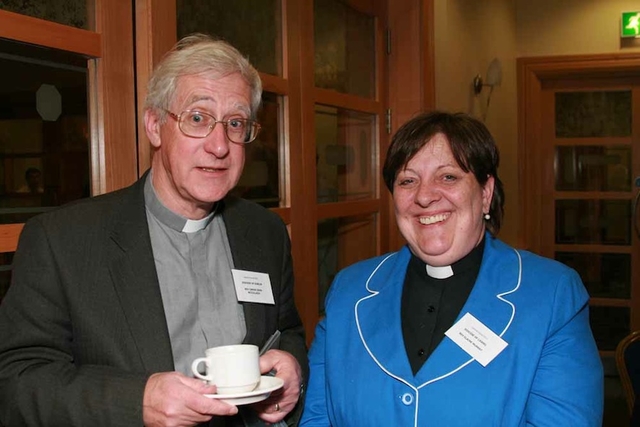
(231,368)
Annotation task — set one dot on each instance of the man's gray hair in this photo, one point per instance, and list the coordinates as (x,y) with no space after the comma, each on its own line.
(198,54)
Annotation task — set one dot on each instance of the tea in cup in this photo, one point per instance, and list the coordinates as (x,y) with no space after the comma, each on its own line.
(232,369)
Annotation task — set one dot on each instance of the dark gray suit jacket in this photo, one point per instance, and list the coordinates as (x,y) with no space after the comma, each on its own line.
(82,326)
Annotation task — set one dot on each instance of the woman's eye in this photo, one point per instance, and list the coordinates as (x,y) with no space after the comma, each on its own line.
(449,178)
(404,182)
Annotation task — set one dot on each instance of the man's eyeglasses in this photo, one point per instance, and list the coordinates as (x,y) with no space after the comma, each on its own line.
(198,124)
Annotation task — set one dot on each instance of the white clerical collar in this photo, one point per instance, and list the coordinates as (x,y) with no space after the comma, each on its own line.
(443,272)
(170,218)
(193,225)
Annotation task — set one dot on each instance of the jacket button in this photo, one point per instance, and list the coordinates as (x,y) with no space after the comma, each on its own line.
(407,399)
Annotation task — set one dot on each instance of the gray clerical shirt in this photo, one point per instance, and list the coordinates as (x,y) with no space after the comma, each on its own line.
(194,263)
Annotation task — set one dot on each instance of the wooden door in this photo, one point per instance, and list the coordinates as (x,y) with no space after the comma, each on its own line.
(590,151)
(580,160)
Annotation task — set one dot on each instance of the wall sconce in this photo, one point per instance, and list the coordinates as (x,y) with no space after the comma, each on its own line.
(494,77)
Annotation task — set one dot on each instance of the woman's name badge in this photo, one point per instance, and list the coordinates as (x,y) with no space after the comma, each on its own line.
(476,339)
(252,286)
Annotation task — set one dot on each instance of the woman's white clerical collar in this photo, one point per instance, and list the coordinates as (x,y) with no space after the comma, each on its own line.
(443,272)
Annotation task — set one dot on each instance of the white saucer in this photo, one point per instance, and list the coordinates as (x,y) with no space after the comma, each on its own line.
(265,387)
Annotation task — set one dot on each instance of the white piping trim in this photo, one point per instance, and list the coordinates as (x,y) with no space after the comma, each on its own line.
(499,296)
(364,343)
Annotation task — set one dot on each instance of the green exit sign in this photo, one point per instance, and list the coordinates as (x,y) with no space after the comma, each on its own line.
(630,24)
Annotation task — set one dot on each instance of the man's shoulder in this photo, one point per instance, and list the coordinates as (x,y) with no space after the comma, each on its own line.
(92,209)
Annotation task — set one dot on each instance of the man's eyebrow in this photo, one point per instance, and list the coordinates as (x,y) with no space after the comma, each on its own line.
(196,98)
(242,107)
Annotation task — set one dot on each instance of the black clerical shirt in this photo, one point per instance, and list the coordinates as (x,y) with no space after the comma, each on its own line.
(430,305)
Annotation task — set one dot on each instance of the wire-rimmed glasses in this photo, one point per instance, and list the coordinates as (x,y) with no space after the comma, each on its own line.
(198,124)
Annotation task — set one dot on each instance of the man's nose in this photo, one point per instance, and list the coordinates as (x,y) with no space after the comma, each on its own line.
(217,142)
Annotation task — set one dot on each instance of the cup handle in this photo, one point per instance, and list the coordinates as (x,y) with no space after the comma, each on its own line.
(195,365)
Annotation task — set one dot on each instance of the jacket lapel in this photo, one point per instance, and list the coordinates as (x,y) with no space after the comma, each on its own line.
(497,278)
(246,256)
(379,313)
(134,275)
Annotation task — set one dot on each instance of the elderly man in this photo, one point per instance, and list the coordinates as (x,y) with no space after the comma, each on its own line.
(113,297)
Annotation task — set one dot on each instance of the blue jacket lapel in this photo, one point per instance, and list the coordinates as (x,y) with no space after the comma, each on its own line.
(498,276)
(378,317)
(379,313)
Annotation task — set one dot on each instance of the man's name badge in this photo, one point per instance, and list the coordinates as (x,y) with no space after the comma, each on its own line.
(252,286)
(476,339)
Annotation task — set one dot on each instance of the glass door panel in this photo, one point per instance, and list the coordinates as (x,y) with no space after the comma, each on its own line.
(345,50)
(593,168)
(349,104)
(260,180)
(44,145)
(345,151)
(342,242)
(605,275)
(68,12)
(598,113)
(604,222)
(253,27)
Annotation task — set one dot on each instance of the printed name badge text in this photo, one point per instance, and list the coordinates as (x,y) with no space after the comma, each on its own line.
(252,286)
(475,338)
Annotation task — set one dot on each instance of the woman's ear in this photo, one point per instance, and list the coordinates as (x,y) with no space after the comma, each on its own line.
(487,193)
(152,127)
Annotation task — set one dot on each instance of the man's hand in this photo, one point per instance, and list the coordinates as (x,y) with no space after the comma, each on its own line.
(172,399)
(281,401)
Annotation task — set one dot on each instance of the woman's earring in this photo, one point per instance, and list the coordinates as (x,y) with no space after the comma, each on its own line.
(487,216)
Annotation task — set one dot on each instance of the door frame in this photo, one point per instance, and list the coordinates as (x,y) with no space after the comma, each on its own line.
(532,73)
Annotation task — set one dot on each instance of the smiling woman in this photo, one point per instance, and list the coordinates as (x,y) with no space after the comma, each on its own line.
(461,310)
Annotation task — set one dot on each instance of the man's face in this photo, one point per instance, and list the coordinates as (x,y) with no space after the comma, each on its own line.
(191,174)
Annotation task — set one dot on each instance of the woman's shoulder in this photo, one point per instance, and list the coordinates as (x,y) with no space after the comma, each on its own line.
(538,275)
(369,272)
(369,265)
(530,261)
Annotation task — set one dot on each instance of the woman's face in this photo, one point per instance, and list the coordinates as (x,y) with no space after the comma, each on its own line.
(439,207)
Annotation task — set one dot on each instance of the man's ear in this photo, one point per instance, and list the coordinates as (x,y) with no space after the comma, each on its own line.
(152,127)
